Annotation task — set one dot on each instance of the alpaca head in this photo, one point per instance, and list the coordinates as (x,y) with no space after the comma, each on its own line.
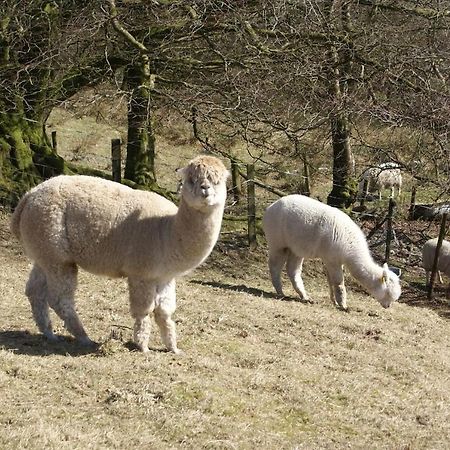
(204,183)
(389,289)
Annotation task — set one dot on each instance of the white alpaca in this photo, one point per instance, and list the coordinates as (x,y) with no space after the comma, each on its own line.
(428,252)
(299,227)
(110,229)
(383,176)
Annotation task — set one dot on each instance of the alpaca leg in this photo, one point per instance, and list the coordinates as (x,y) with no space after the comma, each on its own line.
(277,259)
(62,283)
(392,192)
(439,277)
(294,270)
(142,303)
(165,307)
(330,287)
(336,282)
(37,293)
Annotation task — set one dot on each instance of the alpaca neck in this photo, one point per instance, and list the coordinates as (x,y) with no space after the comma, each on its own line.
(193,236)
(365,269)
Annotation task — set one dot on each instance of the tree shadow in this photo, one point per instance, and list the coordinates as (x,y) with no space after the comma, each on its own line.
(416,295)
(250,290)
(26,343)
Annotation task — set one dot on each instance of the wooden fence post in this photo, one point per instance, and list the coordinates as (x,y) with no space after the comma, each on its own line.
(307,188)
(412,204)
(363,194)
(389,230)
(116,159)
(235,181)
(251,207)
(54,142)
(436,255)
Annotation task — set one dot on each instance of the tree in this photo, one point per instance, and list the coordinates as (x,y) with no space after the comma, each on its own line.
(46,57)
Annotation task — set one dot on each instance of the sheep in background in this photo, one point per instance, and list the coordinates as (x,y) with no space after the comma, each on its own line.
(428,253)
(110,229)
(383,176)
(299,227)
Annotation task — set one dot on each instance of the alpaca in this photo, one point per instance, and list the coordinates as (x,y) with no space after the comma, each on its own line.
(299,227)
(110,229)
(383,176)
(428,252)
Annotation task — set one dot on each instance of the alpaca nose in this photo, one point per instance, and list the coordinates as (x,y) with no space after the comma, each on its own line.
(205,190)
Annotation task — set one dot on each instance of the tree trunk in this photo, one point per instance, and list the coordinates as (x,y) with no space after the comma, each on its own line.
(343,193)
(26,155)
(140,161)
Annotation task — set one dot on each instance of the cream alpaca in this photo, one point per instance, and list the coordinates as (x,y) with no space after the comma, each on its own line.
(428,252)
(298,227)
(383,176)
(110,229)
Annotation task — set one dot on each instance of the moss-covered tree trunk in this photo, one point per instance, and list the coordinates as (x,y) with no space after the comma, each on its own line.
(26,155)
(140,161)
(343,192)
(26,77)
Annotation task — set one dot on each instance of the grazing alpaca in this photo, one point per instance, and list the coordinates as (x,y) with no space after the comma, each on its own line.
(110,229)
(383,176)
(299,227)
(428,252)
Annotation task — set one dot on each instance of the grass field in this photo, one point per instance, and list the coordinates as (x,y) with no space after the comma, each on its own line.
(256,371)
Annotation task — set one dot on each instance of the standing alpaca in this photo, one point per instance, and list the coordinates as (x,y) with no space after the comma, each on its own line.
(110,229)
(428,253)
(383,176)
(298,227)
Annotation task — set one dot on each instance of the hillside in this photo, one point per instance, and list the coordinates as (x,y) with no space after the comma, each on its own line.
(256,371)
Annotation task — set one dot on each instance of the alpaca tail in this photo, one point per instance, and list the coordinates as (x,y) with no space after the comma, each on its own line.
(15,219)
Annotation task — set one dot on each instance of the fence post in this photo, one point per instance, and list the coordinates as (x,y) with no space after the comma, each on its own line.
(412,204)
(436,255)
(251,207)
(116,159)
(235,181)
(54,142)
(364,193)
(307,188)
(389,230)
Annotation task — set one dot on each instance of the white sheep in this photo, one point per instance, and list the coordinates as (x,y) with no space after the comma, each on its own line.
(110,229)
(299,227)
(383,176)
(428,252)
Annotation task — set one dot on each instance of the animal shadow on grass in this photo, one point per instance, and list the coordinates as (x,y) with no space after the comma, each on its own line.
(249,290)
(26,343)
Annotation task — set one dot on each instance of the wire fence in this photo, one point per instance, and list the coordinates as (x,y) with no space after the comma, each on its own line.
(250,195)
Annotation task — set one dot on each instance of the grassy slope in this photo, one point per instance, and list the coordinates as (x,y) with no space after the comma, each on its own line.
(256,371)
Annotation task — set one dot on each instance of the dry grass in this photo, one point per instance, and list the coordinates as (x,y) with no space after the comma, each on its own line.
(257,371)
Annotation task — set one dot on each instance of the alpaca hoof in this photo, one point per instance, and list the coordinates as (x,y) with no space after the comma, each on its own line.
(175,351)
(142,348)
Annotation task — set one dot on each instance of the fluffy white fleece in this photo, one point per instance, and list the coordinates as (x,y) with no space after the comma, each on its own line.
(299,227)
(109,229)
(428,252)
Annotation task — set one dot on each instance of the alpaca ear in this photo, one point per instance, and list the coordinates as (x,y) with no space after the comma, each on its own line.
(180,172)
(385,275)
